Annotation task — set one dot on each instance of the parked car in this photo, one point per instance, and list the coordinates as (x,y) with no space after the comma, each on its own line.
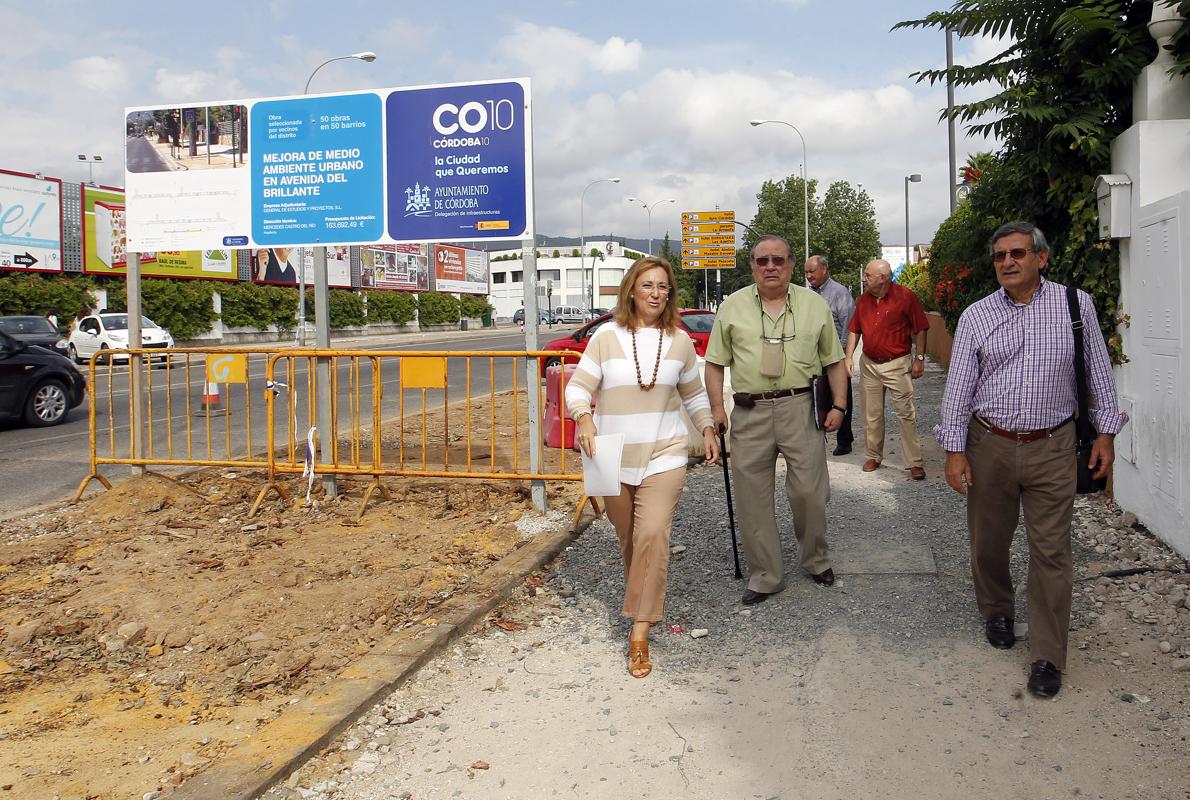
(37,384)
(567,315)
(34,330)
(596,313)
(543,316)
(694,321)
(109,331)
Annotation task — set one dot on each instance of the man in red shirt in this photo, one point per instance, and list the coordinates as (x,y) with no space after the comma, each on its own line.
(892,323)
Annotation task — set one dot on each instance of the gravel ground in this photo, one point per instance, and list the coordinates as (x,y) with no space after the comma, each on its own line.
(881,680)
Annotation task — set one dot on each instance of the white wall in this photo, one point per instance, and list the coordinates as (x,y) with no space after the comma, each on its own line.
(508,296)
(1152,473)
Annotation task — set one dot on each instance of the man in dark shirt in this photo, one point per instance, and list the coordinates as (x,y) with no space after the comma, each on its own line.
(892,323)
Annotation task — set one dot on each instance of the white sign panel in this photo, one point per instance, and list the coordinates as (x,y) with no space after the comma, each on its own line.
(30,222)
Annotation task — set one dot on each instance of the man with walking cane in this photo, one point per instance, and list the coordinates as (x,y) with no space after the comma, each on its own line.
(777,337)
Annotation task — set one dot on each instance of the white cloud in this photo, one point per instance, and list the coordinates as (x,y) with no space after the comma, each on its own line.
(99,74)
(182,86)
(558,58)
(617,55)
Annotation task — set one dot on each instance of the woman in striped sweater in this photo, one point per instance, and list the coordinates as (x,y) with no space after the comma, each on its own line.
(645,369)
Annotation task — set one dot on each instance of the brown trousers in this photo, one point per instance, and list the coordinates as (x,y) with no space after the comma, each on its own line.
(1040,478)
(643,516)
(893,376)
(783,427)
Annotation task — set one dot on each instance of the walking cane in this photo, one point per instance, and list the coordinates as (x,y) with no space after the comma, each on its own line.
(735,548)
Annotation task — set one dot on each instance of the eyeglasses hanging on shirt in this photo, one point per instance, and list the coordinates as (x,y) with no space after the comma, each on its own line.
(772,351)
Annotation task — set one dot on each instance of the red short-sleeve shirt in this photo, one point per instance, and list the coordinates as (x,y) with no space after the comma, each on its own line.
(887,325)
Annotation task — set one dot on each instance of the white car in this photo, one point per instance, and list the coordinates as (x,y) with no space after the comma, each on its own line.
(109,331)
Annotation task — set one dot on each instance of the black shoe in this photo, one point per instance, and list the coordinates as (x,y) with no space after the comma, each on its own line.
(752,597)
(999,632)
(1044,679)
(841,450)
(826,577)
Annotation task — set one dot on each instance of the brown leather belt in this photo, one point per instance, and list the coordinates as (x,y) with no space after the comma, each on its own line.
(774,395)
(1020,436)
(883,360)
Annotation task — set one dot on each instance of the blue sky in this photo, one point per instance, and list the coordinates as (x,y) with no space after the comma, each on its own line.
(658,93)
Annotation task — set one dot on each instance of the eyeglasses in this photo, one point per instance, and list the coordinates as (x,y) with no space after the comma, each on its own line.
(1017,254)
(763,261)
(648,288)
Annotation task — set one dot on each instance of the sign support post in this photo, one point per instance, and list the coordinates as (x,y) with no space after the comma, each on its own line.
(322,340)
(135,386)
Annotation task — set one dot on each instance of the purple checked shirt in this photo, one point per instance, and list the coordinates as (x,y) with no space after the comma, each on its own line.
(1013,365)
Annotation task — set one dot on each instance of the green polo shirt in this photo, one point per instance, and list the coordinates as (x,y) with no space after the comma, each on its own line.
(736,339)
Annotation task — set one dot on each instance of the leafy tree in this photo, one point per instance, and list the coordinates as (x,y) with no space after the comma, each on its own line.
(1065,84)
(686,278)
(390,306)
(844,230)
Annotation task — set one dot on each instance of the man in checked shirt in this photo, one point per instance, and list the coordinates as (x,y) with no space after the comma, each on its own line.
(1010,443)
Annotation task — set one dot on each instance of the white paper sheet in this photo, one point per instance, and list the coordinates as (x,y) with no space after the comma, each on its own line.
(601,475)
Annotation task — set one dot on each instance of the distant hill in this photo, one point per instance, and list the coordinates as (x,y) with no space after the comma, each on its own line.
(548,244)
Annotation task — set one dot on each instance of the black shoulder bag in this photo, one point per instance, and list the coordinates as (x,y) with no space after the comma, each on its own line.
(1084,431)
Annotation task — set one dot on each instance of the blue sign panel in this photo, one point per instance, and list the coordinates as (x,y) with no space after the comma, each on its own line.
(457,162)
(317,170)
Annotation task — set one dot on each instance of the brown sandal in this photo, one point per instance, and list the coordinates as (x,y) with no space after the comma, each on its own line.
(639,665)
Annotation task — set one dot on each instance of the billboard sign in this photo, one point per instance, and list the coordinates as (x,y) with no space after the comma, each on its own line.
(30,222)
(460,270)
(422,164)
(403,267)
(283,266)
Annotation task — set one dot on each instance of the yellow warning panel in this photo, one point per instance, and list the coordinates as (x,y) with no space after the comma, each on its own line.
(227,368)
(423,373)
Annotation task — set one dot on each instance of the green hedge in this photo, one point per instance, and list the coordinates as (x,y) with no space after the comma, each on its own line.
(435,308)
(259,306)
(473,306)
(64,296)
(398,307)
(916,278)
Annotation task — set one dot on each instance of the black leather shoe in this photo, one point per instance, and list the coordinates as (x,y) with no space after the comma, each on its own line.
(999,632)
(826,577)
(841,450)
(1044,679)
(752,597)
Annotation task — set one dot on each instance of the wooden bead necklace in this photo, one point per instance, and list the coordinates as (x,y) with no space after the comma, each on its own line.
(656,367)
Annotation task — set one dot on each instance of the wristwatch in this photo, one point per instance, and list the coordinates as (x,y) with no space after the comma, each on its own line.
(838,408)
(919,357)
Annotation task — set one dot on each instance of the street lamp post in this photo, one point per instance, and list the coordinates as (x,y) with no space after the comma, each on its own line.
(582,236)
(91,162)
(805,185)
(649,210)
(322,327)
(914,178)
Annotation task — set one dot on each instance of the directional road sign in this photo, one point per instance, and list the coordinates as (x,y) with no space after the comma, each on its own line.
(703,240)
(707,227)
(708,216)
(708,263)
(715,251)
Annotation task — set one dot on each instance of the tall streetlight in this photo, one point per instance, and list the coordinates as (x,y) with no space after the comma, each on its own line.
(582,252)
(914,178)
(322,330)
(649,209)
(91,162)
(805,185)
(368,56)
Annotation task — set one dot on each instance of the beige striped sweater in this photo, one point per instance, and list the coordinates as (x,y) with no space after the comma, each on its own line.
(655,438)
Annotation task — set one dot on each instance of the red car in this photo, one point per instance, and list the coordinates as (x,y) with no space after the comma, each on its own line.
(694,321)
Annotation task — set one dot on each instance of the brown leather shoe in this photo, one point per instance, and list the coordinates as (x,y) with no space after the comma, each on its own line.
(826,577)
(871,465)
(917,473)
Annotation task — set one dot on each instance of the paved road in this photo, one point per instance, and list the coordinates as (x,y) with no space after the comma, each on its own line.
(47,464)
(143,157)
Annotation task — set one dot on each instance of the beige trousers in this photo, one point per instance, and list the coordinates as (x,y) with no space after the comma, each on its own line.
(1038,477)
(893,376)
(781,427)
(643,516)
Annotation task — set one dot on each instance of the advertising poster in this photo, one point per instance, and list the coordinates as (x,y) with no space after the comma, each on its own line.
(104,242)
(30,222)
(317,170)
(421,164)
(395,266)
(283,265)
(460,270)
(458,163)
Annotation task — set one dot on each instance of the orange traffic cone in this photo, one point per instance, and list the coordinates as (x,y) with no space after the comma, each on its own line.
(211,400)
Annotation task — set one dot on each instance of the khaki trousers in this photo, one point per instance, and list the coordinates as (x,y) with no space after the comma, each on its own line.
(758,435)
(643,516)
(893,376)
(1039,477)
